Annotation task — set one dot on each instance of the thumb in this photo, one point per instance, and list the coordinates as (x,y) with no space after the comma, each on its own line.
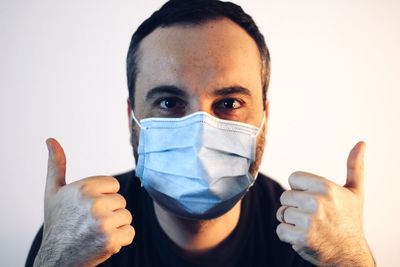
(56,167)
(355,168)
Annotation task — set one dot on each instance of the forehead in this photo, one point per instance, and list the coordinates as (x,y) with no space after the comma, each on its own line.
(212,54)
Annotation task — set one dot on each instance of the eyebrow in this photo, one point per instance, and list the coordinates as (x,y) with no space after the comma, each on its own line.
(232,90)
(165,89)
(173,90)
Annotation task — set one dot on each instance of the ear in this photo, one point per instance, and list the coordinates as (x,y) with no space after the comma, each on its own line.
(266,108)
(129,110)
(266,111)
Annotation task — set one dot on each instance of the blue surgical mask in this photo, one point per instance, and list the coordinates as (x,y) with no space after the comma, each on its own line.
(196,166)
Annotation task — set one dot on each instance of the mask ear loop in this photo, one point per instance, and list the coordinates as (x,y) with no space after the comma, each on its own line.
(141,127)
(262,125)
(136,121)
(258,132)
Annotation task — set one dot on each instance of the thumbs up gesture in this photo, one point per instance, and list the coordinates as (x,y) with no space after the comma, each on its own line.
(85,221)
(323,221)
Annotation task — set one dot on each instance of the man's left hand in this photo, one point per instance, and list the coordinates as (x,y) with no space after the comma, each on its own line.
(323,221)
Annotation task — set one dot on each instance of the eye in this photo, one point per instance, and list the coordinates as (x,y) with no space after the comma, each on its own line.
(172,105)
(228,104)
(168,103)
(229,108)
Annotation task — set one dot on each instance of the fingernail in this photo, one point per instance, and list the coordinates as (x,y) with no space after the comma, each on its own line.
(49,148)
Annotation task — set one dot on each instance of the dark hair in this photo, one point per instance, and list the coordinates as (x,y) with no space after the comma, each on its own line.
(193,12)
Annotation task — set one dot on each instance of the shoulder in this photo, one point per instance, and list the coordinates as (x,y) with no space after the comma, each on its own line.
(128,182)
(125,177)
(264,197)
(268,186)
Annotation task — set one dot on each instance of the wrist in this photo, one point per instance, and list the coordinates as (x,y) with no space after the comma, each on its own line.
(358,256)
(46,257)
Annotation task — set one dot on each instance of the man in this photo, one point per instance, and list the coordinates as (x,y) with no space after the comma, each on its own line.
(198,74)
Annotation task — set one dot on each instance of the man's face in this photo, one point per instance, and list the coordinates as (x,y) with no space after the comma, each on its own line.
(213,67)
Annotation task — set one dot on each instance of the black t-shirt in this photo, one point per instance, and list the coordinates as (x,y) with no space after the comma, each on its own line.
(253,242)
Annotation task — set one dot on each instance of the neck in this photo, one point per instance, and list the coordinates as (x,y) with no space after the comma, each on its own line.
(197,236)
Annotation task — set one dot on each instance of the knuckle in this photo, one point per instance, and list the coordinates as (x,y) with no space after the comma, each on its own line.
(129,217)
(278,214)
(114,182)
(84,189)
(125,215)
(131,232)
(328,190)
(283,197)
(292,177)
(121,199)
(102,226)
(95,207)
(280,231)
(312,204)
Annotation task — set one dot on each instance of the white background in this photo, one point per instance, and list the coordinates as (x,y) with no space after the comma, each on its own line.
(335,80)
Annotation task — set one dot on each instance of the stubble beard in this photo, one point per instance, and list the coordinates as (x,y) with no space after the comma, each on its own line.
(194,225)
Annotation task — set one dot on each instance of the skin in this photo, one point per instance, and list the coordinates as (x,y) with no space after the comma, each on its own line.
(323,220)
(201,59)
(201,62)
(86,221)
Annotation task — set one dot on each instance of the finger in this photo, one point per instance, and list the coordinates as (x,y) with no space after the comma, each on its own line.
(303,200)
(306,181)
(355,168)
(56,167)
(280,214)
(99,185)
(107,203)
(290,234)
(117,219)
(119,237)
(293,216)
(126,233)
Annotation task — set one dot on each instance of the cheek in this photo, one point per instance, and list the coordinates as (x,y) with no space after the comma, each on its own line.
(260,146)
(261,140)
(134,139)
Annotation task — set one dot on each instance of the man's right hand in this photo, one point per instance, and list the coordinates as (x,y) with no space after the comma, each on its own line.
(85,222)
